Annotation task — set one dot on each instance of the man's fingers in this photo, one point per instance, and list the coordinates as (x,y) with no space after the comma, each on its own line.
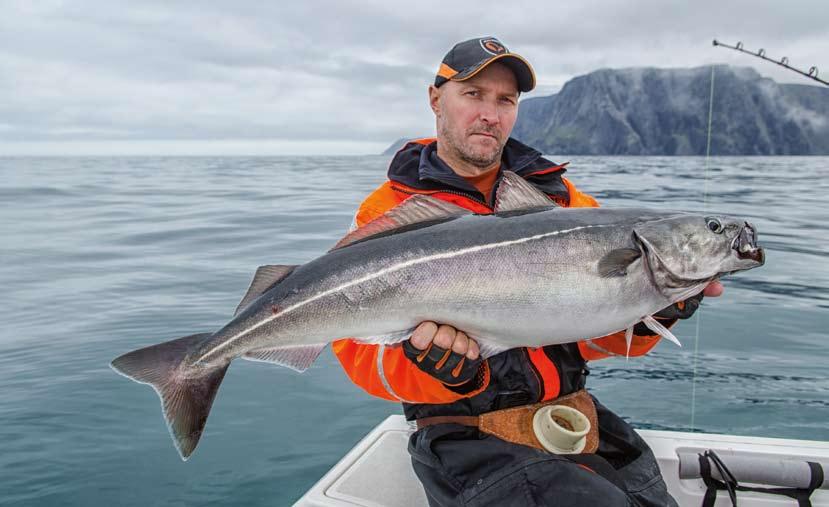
(474,351)
(423,335)
(714,289)
(461,343)
(445,336)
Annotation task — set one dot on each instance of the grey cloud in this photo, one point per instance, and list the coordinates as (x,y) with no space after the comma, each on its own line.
(333,70)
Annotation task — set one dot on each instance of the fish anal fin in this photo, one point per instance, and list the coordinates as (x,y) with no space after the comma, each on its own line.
(616,262)
(298,358)
(264,278)
(516,193)
(416,209)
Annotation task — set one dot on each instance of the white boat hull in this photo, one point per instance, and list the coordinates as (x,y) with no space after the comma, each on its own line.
(355,480)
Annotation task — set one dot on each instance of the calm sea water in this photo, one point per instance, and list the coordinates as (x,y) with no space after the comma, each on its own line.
(104,255)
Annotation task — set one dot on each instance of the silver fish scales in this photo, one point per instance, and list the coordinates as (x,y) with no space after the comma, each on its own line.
(531,274)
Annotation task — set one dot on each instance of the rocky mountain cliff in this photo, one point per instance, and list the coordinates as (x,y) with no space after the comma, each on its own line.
(647,111)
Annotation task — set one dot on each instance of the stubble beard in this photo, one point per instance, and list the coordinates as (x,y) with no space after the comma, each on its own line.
(479,159)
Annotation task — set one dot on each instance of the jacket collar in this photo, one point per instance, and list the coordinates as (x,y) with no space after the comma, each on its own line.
(418,166)
(433,168)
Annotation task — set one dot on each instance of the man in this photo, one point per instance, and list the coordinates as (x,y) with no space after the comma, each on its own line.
(438,371)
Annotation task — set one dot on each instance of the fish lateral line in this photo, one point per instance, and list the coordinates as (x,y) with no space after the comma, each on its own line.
(392,269)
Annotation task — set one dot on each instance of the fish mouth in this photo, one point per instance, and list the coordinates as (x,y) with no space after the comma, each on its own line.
(745,245)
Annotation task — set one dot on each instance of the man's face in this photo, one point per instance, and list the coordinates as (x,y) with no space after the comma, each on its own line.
(475,117)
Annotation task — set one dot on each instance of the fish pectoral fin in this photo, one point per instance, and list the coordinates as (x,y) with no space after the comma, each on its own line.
(655,326)
(516,193)
(264,278)
(416,209)
(616,262)
(186,395)
(298,358)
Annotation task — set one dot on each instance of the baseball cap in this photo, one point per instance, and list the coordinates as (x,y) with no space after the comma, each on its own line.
(469,57)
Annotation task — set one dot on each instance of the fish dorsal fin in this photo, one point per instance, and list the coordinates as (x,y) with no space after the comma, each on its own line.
(516,193)
(264,278)
(416,209)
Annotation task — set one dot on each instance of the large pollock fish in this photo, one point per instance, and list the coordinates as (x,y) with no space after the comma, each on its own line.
(531,274)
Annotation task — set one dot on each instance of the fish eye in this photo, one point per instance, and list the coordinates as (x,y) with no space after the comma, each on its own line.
(714,225)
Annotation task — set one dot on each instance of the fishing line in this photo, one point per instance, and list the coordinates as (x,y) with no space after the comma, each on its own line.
(812,74)
(704,209)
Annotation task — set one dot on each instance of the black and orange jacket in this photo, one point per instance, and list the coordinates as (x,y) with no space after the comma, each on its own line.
(514,377)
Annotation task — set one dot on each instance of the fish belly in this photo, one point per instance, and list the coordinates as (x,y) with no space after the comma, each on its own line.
(516,287)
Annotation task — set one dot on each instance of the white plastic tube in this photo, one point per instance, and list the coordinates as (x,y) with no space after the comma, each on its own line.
(782,472)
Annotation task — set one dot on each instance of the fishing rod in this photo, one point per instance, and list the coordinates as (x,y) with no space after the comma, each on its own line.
(783,62)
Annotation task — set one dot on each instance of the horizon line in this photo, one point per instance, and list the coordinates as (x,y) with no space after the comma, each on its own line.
(192,147)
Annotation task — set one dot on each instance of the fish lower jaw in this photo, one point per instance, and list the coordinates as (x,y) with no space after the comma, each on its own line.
(757,255)
(745,245)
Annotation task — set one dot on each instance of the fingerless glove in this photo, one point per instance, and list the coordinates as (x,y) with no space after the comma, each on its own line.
(456,371)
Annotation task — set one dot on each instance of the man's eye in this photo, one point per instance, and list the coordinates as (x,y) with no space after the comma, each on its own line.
(472,93)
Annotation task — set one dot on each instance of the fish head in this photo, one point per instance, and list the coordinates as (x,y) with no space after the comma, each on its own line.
(689,251)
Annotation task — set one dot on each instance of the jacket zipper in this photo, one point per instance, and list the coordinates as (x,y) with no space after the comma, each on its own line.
(536,374)
(453,192)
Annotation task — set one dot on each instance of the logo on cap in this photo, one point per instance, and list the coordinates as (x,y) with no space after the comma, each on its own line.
(493,46)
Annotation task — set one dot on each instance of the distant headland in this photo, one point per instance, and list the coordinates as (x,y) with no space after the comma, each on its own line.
(651,111)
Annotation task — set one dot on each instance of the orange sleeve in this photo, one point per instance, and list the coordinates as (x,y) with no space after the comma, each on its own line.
(579,199)
(392,377)
(378,202)
(397,378)
(614,345)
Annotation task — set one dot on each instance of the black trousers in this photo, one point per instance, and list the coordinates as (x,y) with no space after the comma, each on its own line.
(458,465)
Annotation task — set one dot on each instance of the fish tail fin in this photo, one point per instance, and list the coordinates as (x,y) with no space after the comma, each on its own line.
(186,393)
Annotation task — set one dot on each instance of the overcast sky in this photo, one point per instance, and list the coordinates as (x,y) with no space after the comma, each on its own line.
(254,77)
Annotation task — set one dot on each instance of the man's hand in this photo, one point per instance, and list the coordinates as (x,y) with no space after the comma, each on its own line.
(685,309)
(681,310)
(446,354)
(445,337)
(713,289)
